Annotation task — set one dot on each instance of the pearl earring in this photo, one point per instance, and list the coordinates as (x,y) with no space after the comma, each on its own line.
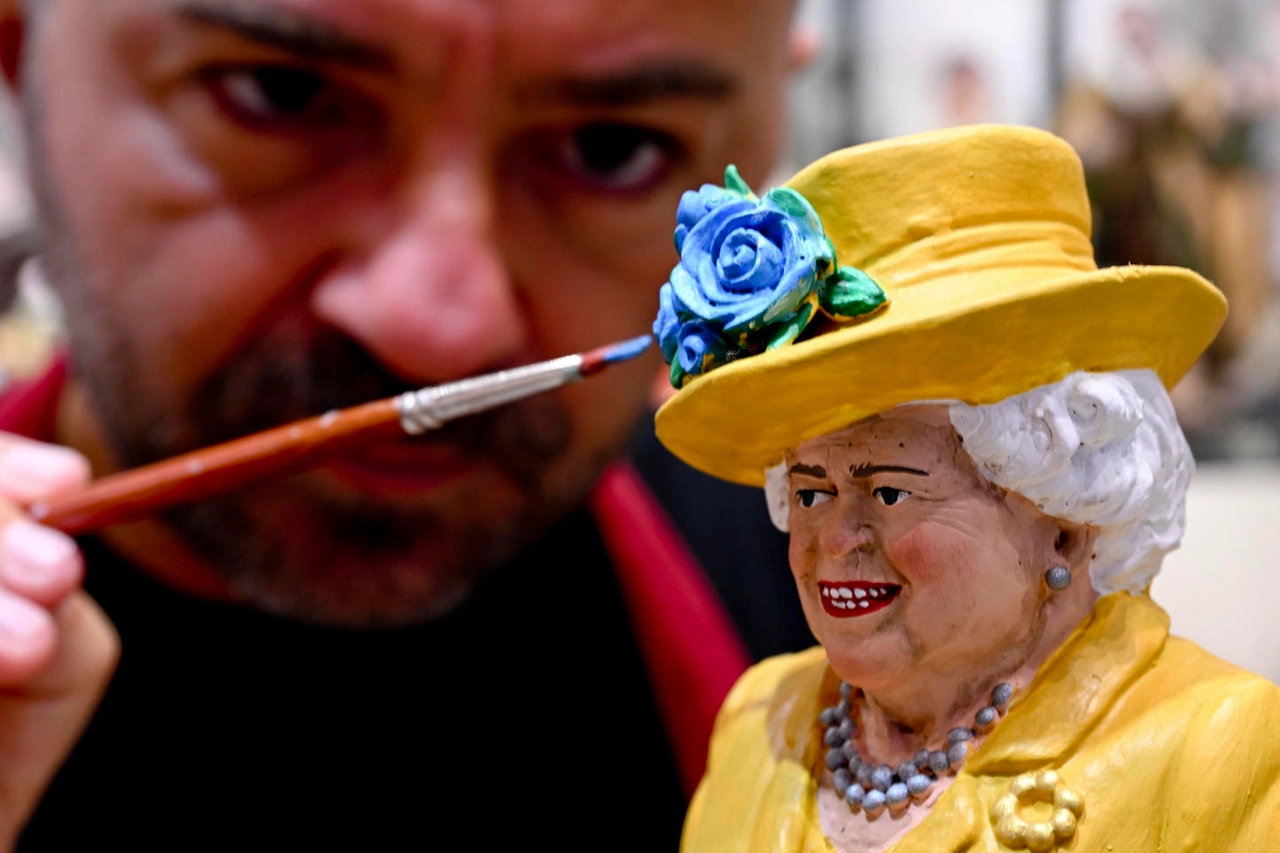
(1058,578)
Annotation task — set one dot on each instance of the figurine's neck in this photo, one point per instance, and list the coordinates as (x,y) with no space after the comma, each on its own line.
(896,721)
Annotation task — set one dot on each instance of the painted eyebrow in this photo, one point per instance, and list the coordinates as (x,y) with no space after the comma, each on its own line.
(657,81)
(808,470)
(868,470)
(301,35)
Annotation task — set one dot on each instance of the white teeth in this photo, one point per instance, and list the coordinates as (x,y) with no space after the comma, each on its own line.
(852,598)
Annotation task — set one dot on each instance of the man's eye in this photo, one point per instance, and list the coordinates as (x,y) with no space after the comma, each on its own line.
(813,497)
(890,496)
(274,95)
(618,157)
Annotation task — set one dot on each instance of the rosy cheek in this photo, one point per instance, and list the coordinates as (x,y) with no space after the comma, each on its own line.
(929,554)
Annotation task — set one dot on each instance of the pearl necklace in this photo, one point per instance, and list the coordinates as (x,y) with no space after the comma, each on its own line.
(871,788)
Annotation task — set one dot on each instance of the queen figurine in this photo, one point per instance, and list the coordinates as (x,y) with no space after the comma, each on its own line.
(965,427)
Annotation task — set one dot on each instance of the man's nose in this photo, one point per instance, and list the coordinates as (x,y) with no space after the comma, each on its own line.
(431,298)
(843,534)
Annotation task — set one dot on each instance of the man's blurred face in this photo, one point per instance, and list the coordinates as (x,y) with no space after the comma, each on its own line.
(259,210)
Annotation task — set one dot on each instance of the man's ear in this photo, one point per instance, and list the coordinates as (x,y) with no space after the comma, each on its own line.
(13,24)
(1073,544)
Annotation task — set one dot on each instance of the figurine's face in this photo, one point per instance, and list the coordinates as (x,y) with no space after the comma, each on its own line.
(907,560)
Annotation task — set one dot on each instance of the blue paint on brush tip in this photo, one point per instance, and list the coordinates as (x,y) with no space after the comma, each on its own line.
(627,349)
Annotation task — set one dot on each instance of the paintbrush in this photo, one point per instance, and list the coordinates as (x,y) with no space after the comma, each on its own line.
(130,495)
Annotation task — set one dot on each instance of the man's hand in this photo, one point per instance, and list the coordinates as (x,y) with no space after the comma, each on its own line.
(57,648)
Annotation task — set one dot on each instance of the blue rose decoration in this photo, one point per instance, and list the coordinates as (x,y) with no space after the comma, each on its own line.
(694,206)
(752,274)
(699,342)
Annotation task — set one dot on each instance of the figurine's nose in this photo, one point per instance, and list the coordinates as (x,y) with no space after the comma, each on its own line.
(844,534)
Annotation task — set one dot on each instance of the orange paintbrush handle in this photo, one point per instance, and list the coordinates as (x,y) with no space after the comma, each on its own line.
(143,491)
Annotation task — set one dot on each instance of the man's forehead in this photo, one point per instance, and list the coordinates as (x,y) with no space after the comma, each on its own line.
(593,32)
(368,21)
(694,23)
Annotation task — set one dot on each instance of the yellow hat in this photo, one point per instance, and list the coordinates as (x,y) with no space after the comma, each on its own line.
(979,237)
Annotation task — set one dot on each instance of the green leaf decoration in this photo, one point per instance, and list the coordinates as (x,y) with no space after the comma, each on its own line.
(677,373)
(791,328)
(791,202)
(826,262)
(849,293)
(734,183)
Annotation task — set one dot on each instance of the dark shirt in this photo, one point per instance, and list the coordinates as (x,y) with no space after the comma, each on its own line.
(523,717)
(740,551)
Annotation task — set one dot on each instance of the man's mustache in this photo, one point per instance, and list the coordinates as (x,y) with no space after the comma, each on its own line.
(270,384)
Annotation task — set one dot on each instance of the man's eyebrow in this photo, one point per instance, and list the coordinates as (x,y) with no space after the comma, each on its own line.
(301,35)
(868,469)
(657,81)
(808,470)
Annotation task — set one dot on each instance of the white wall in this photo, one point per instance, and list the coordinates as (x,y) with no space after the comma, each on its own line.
(1222,588)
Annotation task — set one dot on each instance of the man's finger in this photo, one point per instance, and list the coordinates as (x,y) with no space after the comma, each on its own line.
(38,562)
(27,638)
(30,470)
(41,719)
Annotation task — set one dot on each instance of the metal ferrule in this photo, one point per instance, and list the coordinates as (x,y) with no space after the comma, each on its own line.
(431,408)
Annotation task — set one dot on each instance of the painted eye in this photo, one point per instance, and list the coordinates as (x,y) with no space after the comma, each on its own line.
(813,497)
(890,496)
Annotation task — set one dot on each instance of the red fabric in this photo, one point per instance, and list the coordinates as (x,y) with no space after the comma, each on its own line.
(691,650)
(30,408)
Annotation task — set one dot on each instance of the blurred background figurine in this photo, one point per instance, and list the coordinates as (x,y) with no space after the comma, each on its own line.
(965,426)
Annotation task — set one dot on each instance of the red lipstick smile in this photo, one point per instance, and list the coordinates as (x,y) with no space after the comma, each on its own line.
(846,599)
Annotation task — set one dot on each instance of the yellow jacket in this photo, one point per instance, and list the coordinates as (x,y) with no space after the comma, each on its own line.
(1170,748)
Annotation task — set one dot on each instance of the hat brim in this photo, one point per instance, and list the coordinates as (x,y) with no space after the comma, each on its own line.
(989,339)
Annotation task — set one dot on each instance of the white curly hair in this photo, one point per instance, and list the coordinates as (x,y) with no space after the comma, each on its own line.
(1103,449)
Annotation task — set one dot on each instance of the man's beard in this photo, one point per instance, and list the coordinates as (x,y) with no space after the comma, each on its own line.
(301,547)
